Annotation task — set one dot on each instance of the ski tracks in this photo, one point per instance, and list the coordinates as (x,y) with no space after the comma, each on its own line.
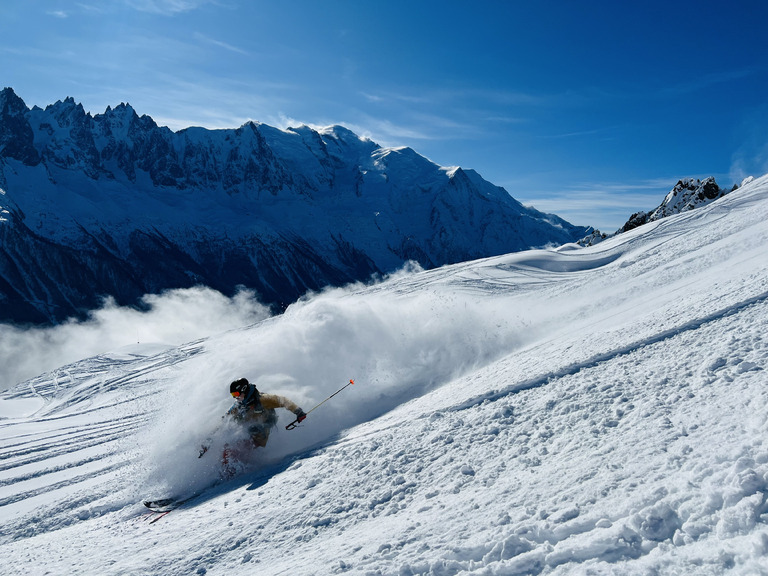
(56,465)
(574,368)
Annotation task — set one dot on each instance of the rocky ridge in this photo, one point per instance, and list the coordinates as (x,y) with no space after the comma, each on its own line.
(114,205)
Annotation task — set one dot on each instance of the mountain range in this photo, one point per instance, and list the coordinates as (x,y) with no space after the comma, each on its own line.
(113,205)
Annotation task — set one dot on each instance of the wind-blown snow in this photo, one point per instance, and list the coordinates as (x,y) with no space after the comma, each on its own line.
(600,410)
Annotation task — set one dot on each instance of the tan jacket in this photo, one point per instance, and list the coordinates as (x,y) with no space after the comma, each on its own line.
(272,401)
(260,416)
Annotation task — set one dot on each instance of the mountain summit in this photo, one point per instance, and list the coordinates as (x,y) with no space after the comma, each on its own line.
(687,194)
(114,205)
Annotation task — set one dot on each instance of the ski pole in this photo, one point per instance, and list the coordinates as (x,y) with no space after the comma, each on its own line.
(295,423)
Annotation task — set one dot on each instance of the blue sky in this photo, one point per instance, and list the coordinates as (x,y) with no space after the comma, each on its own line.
(591,110)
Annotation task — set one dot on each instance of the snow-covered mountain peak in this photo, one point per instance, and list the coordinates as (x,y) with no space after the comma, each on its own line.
(407,161)
(687,194)
(450,171)
(67,112)
(122,115)
(16,135)
(341,133)
(280,211)
(10,103)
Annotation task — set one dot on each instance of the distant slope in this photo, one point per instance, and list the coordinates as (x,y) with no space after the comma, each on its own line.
(113,204)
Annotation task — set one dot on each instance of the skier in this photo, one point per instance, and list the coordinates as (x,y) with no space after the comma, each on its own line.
(257,410)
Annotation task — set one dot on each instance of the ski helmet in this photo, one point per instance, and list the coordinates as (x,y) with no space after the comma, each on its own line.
(239,388)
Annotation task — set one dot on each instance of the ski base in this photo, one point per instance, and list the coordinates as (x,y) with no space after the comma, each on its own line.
(160,504)
(164,506)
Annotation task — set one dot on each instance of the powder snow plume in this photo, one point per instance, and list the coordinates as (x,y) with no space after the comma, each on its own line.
(396,346)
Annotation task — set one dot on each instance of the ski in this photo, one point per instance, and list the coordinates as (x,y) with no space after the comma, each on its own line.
(162,503)
(165,506)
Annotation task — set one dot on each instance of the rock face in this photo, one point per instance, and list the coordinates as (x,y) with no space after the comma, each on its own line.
(115,205)
(687,194)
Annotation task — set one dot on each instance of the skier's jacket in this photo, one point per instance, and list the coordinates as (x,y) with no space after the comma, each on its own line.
(257,412)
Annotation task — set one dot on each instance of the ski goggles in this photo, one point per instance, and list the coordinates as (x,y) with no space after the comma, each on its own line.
(236,393)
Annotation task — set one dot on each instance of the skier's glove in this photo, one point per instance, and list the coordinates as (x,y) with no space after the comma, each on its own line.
(300,415)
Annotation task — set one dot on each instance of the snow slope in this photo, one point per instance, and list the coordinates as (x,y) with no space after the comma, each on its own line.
(599,410)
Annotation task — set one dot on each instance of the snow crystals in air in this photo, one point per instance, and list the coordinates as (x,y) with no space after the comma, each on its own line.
(601,410)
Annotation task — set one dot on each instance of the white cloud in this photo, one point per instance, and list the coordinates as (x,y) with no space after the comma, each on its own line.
(604,205)
(751,156)
(171,318)
(166,7)
(752,162)
(219,43)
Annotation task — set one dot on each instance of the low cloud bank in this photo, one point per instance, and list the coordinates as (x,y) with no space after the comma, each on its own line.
(170,318)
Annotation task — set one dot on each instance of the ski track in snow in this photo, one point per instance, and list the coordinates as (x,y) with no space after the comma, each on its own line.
(76,437)
(622,430)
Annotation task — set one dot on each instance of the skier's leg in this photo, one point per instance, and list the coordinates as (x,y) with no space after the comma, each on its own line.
(260,440)
(227,463)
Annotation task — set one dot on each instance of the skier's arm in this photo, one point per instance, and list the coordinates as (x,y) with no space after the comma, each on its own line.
(272,401)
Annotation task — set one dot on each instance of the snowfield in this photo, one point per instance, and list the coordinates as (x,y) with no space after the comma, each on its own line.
(576,411)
